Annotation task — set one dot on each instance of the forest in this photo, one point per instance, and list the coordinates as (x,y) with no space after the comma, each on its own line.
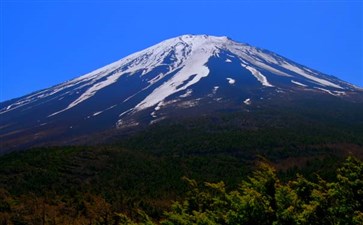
(260,198)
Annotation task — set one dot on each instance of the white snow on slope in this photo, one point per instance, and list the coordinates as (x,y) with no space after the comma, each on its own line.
(180,53)
(97,113)
(146,60)
(261,78)
(301,72)
(247,101)
(253,57)
(91,91)
(194,69)
(186,94)
(335,93)
(298,83)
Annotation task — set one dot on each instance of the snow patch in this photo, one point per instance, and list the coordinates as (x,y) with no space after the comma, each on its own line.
(228,60)
(153,114)
(247,101)
(158,107)
(125,124)
(215,89)
(187,93)
(230,80)
(189,104)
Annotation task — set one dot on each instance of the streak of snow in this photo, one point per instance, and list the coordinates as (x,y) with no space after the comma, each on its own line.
(127,111)
(306,74)
(247,101)
(251,56)
(298,83)
(259,76)
(335,93)
(157,120)
(228,60)
(92,91)
(97,113)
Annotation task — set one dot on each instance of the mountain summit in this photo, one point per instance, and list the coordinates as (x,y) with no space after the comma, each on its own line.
(188,75)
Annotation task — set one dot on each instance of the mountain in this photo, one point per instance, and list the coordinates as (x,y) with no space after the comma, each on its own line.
(183,77)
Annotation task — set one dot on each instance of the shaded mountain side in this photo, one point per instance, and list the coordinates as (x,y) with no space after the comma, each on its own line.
(309,116)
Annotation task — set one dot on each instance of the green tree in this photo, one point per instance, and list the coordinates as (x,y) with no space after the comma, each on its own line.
(346,195)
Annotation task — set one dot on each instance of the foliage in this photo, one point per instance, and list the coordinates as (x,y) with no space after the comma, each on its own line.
(264,199)
(112,185)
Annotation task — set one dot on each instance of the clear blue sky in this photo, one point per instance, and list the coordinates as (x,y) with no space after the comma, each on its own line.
(44,43)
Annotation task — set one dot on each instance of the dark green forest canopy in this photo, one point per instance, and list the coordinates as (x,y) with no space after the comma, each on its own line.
(83,185)
(263,199)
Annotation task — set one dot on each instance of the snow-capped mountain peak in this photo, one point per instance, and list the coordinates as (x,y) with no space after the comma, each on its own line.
(189,53)
(184,72)
(191,50)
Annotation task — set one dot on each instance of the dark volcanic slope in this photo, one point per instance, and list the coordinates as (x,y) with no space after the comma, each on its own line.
(187,76)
